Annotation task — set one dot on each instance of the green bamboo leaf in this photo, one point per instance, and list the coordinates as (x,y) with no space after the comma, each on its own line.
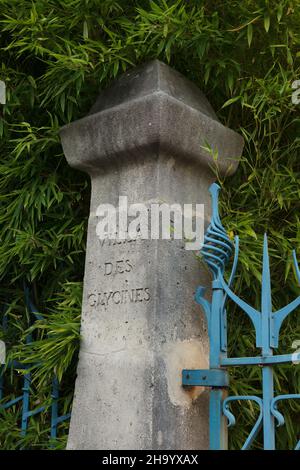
(249,33)
(231,101)
(267,21)
(279,12)
(85,30)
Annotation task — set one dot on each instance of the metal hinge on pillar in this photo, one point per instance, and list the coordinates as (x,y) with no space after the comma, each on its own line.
(205,378)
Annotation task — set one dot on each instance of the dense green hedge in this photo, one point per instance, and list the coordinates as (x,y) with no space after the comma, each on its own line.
(55,57)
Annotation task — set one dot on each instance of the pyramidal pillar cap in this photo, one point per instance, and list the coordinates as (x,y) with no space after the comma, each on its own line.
(149,111)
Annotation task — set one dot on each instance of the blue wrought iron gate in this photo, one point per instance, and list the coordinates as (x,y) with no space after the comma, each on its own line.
(24,398)
(216,251)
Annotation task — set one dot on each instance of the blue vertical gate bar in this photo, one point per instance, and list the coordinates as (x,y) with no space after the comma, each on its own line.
(55,418)
(267,372)
(217,250)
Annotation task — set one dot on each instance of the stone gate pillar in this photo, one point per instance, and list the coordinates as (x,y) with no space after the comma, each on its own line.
(140,326)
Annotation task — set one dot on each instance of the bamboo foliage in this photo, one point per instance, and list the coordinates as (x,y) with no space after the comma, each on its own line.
(55,57)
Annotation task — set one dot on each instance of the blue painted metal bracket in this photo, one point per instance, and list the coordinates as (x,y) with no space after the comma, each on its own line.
(205,378)
(216,252)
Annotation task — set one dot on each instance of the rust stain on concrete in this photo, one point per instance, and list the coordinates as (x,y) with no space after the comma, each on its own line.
(179,355)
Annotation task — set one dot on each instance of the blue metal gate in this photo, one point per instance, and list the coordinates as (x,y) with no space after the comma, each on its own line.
(216,251)
(24,398)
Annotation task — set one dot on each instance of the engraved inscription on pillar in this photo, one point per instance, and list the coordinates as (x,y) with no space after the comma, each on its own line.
(119,263)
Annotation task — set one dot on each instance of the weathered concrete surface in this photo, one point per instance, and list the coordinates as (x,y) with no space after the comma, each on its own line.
(140,324)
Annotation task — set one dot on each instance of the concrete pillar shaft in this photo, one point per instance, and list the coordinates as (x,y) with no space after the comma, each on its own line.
(144,139)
